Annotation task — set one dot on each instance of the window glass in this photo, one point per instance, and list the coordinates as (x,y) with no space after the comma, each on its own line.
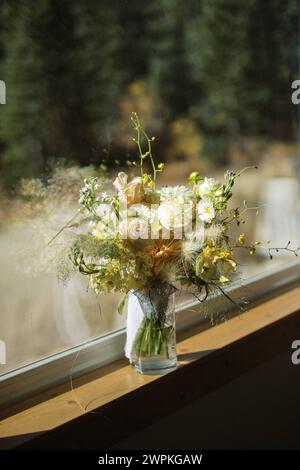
(212,80)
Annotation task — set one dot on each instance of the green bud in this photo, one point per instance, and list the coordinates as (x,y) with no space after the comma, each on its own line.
(194,177)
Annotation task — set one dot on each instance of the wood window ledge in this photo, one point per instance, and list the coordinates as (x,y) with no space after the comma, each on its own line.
(114,401)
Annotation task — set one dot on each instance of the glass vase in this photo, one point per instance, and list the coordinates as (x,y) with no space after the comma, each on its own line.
(153,345)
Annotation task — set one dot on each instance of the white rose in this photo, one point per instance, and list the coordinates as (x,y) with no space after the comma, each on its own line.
(174,216)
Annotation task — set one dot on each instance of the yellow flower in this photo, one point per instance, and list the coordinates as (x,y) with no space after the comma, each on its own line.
(146,178)
(208,252)
(225,257)
(241,239)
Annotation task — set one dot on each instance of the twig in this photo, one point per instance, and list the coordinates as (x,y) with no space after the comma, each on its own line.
(287,248)
(64,227)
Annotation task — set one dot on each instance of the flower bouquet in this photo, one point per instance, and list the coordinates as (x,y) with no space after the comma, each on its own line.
(145,241)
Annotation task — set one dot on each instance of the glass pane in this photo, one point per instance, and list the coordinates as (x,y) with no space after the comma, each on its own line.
(211,80)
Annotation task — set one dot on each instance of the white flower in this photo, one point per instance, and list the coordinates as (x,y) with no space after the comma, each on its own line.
(206,187)
(175,215)
(177,194)
(101,230)
(105,211)
(134,228)
(121,181)
(137,222)
(105,197)
(142,211)
(206,211)
(105,226)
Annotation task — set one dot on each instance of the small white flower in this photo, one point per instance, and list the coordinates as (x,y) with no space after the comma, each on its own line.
(206,211)
(101,231)
(105,197)
(105,210)
(207,187)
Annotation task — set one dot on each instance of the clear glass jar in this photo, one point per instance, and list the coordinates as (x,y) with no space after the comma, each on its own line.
(153,344)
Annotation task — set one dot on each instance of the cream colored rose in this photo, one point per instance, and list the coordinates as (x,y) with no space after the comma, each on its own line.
(120,181)
(129,193)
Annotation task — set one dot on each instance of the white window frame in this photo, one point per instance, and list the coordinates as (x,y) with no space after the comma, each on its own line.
(57,368)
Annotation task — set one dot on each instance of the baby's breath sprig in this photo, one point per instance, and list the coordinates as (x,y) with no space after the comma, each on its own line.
(88,193)
(141,134)
(87,200)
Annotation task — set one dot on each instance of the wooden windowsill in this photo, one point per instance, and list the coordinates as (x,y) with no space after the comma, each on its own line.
(124,401)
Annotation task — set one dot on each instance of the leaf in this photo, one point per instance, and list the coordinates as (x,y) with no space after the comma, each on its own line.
(121,303)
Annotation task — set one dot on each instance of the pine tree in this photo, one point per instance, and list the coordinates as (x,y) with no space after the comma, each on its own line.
(21,126)
(62,78)
(169,70)
(246,61)
(97,73)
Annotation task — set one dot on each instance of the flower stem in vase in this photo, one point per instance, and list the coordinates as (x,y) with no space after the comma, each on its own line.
(154,345)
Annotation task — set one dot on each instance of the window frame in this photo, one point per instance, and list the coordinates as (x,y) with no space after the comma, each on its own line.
(58,368)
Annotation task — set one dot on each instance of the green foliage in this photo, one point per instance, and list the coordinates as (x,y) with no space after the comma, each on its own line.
(110,264)
(21,124)
(168,71)
(59,69)
(248,57)
(95,67)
